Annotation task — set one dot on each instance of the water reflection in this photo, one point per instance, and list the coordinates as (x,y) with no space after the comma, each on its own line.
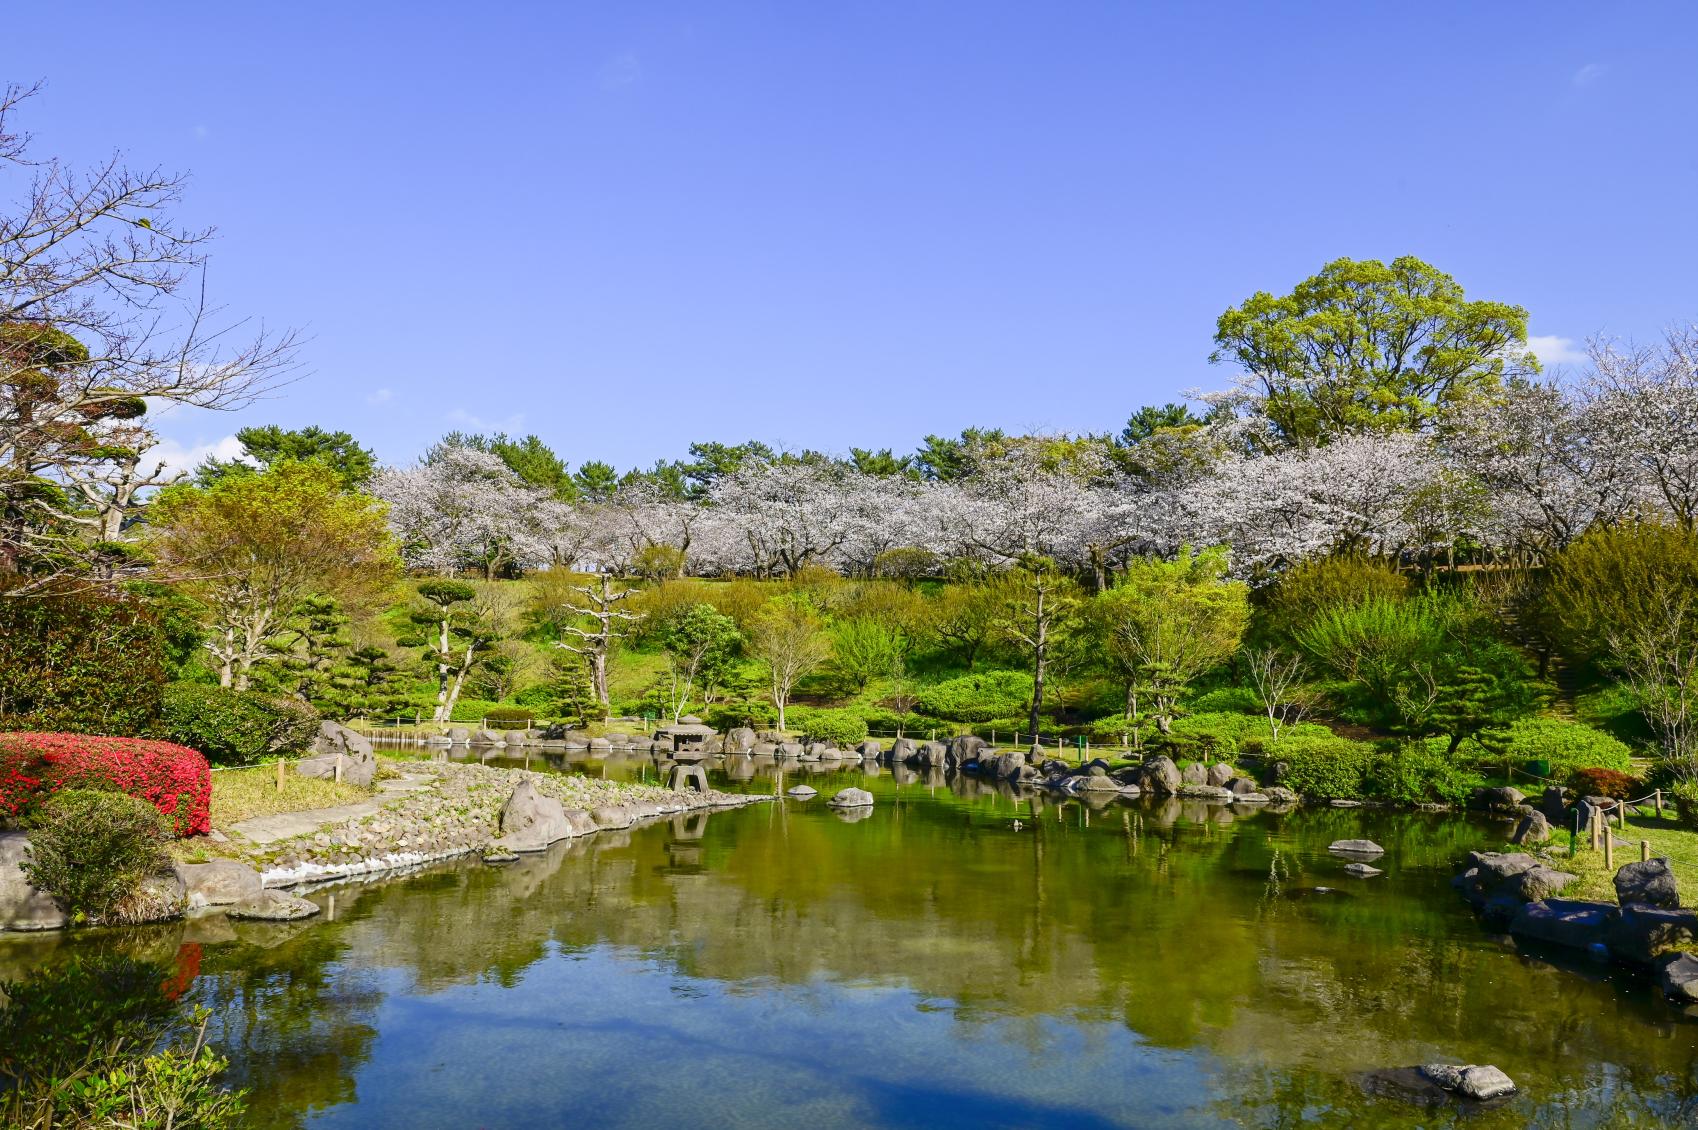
(961,954)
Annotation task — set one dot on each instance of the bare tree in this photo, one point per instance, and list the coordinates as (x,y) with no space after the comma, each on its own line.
(1277,678)
(1659,656)
(598,601)
(102,310)
(787,637)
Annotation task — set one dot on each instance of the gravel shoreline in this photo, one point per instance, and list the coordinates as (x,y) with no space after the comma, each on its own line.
(458,813)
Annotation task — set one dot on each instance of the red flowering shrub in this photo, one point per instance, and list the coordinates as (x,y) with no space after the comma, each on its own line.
(1605,782)
(173,778)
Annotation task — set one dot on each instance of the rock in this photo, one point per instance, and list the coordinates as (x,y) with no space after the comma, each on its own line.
(23,907)
(1563,922)
(497,855)
(1643,934)
(1279,794)
(852,798)
(359,764)
(1344,802)
(158,897)
(531,821)
(1241,786)
(490,737)
(1161,776)
(274,906)
(1355,847)
(740,739)
(1195,773)
(1533,828)
(1220,773)
(803,792)
(1204,792)
(1647,884)
(459,735)
(900,749)
(222,882)
(611,816)
(1249,798)
(1496,866)
(600,745)
(1362,870)
(1007,766)
(869,750)
(790,749)
(1481,1083)
(1538,883)
(1503,796)
(1679,978)
(967,747)
(1092,784)
(1553,805)
(932,755)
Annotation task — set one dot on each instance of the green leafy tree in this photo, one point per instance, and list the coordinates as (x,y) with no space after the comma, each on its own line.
(444,600)
(865,648)
(788,638)
(1166,622)
(883,462)
(964,617)
(1480,704)
(369,683)
(1150,419)
(1370,346)
(270,445)
(944,459)
(700,644)
(258,545)
(595,480)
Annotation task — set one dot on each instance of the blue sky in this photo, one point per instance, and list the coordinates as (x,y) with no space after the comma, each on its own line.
(630,226)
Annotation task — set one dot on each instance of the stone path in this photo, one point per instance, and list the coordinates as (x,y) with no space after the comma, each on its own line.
(262,830)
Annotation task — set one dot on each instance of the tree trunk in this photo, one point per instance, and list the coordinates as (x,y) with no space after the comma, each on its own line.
(442,710)
(598,675)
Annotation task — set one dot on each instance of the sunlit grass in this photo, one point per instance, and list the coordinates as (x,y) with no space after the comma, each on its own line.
(1666,837)
(238,794)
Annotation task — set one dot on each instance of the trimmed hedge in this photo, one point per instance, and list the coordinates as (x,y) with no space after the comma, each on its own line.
(1323,766)
(1567,746)
(1226,700)
(509,717)
(842,727)
(174,779)
(235,727)
(74,659)
(978,698)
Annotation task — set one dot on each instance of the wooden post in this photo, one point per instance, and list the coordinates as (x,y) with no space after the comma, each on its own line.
(1609,850)
(338,767)
(1659,796)
(1644,851)
(280,771)
(1594,827)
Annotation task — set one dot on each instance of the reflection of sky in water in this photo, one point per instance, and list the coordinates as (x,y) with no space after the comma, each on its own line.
(593,1039)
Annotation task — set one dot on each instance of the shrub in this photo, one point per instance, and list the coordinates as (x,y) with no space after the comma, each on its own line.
(74,659)
(730,715)
(471,709)
(174,779)
(1226,700)
(1615,709)
(978,698)
(1566,745)
(1318,586)
(235,727)
(1417,773)
(1217,735)
(841,727)
(1323,766)
(1684,793)
(92,848)
(1605,782)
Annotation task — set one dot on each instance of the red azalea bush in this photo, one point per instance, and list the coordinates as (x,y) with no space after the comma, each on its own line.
(1605,782)
(173,778)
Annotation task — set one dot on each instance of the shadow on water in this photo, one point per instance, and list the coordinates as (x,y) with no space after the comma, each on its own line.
(962,955)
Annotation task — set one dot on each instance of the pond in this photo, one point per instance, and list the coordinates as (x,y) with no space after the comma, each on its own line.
(957,957)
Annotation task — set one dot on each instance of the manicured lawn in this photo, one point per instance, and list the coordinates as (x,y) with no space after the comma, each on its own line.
(1667,839)
(238,794)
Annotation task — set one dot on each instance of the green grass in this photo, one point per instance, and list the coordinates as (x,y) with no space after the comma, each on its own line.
(1668,839)
(238,794)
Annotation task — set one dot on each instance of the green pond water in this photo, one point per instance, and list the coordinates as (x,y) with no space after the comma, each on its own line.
(928,965)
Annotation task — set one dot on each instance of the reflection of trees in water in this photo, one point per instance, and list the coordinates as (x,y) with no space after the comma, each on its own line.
(1165,923)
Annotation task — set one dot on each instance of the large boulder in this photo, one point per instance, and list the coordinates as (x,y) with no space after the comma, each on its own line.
(531,821)
(612,816)
(223,882)
(1647,884)
(1221,773)
(802,792)
(900,749)
(1205,792)
(869,750)
(1480,1082)
(1564,922)
(740,740)
(1161,776)
(852,798)
(1533,828)
(23,907)
(1497,866)
(274,906)
(931,755)
(359,764)
(1554,803)
(1502,797)
(1195,773)
(1679,977)
(966,747)
(1644,933)
(790,750)
(1539,883)
(1279,794)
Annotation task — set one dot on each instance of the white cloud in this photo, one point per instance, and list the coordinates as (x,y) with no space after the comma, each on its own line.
(461,418)
(1553,350)
(381,396)
(620,71)
(186,457)
(1589,74)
